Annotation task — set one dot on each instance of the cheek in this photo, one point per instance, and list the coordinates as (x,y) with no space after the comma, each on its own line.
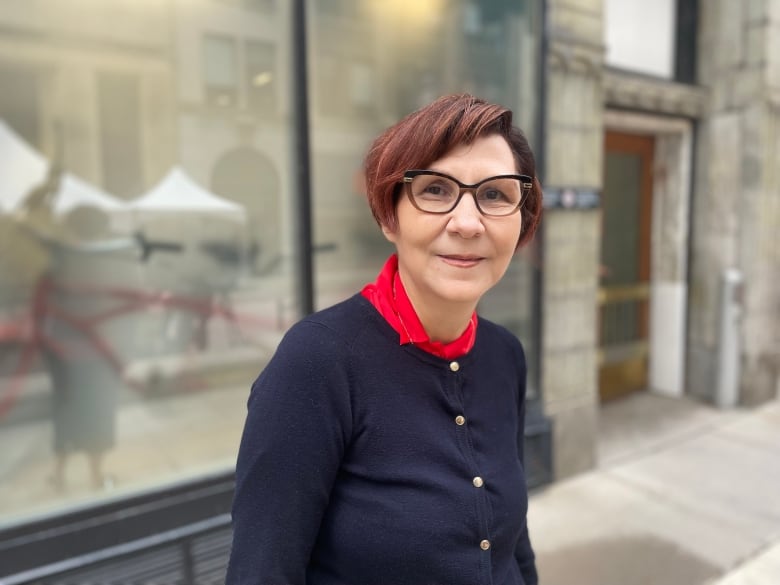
(508,238)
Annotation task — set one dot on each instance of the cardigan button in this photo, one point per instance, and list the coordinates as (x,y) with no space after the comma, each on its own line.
(460,420)
(484,545)
(454,366)
(477,481)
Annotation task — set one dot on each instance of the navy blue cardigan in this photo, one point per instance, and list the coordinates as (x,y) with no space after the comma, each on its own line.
(364,462)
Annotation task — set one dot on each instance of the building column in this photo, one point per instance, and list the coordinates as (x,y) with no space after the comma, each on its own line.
(736,207)
(573,155)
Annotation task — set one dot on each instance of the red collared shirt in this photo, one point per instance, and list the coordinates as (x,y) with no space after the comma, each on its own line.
(389,297)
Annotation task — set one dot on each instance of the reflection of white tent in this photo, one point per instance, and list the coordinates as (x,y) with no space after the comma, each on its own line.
(22,169)
(178,193)
(75,192)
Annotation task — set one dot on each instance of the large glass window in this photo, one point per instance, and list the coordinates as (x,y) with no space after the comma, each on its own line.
(146,241)
(374,62)
(147,213)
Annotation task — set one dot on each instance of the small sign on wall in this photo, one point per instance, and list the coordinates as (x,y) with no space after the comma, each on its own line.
(571,198)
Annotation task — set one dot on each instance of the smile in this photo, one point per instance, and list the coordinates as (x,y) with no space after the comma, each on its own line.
(461,261)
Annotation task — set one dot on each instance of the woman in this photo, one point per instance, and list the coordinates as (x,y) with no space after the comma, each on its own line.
(383,443)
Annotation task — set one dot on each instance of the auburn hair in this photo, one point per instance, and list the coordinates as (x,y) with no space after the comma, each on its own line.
(427,135)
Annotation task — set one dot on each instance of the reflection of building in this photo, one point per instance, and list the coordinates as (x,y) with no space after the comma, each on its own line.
(104,80)
(233,112)
(658,163)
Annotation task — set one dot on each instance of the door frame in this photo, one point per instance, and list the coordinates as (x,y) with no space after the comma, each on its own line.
(669,241)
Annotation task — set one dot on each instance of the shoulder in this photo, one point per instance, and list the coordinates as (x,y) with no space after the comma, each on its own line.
(327,339)
(337,326)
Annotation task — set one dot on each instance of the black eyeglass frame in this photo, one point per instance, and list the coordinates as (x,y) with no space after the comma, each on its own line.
(526,183)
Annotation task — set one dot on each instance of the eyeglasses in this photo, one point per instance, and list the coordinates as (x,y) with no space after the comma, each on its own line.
(434,192)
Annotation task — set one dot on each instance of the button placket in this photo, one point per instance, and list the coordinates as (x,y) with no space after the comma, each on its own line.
(477,480)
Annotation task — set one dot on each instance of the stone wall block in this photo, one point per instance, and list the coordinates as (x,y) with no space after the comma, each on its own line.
(701,365)
(592,157)
(574,314)
(724,178)
(569,378)
(749,83)
(565,152)
(728,50)
(773,56)
(574,436)
(565,105)
(573,23)
(572,252)
(756,44)
(755,11)
(773,10)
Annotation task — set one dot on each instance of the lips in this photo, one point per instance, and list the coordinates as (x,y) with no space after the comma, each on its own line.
(461,260)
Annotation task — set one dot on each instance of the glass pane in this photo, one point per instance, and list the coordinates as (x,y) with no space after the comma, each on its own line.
(146,242)
(374,62)
(620,246)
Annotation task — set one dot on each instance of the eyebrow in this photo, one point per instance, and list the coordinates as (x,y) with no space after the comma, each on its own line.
(438,170)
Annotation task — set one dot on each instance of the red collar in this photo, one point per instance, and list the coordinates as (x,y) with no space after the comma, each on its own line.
(389,297)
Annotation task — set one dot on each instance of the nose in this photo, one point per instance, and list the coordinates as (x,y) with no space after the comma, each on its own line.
(466,220)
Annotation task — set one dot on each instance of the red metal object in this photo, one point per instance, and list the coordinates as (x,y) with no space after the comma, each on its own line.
(27,330)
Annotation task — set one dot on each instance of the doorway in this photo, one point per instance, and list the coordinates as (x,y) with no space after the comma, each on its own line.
(624,287)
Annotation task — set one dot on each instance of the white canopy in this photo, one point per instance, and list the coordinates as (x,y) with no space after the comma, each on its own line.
(178,192)
(22,168)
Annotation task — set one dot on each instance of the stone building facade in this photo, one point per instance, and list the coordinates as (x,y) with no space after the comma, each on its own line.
(715,205)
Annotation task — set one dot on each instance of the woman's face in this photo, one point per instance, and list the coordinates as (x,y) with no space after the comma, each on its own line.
(456,257)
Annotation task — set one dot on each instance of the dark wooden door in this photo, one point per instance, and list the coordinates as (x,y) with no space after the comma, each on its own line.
(625,264)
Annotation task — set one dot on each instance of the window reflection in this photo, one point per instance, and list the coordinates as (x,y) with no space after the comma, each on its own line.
(220,76)
(147,213)
(145,237)
(377,61)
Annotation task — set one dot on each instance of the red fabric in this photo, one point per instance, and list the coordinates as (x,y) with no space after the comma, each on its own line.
(389,297)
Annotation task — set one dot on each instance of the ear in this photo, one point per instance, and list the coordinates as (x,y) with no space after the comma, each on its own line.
(390,234)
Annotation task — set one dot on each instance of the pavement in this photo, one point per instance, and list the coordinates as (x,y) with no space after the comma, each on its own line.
(684,494)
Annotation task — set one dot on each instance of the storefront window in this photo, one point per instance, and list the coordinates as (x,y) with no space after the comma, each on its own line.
(147,214)
(146,239)
(374,62)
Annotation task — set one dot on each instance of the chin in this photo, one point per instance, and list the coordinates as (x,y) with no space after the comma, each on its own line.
(461,292)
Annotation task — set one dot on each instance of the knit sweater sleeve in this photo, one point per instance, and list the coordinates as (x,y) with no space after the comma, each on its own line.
(297,428)
(524,553)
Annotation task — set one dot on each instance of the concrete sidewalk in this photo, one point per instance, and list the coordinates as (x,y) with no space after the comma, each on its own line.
(685,495)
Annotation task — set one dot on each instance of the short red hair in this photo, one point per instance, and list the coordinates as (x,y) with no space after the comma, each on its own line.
(427,135)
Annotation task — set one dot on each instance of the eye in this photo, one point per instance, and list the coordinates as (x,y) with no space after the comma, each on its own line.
(492,194)
(437,189)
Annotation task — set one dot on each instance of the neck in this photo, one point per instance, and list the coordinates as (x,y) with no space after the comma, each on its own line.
(444,326)
(443,322)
